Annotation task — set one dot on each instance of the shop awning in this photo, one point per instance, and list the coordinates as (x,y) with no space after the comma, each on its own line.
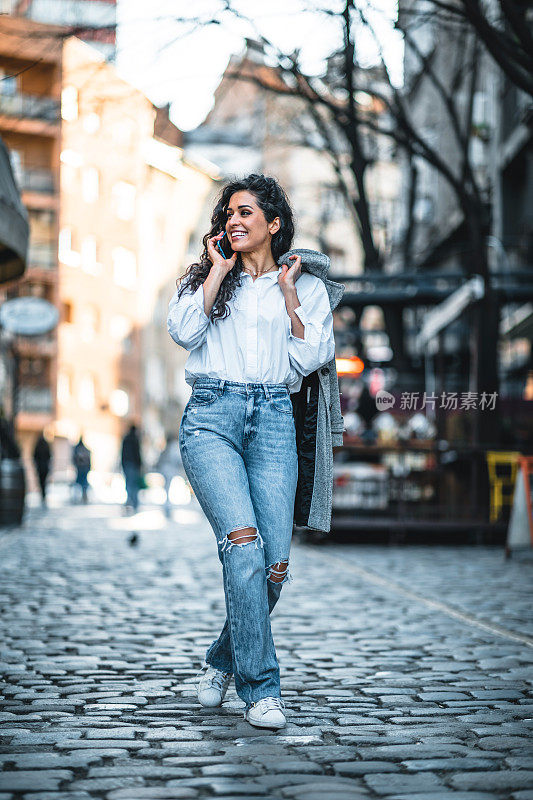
(14,227)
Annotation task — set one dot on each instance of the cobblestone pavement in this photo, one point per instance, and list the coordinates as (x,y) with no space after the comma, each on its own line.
(406,670)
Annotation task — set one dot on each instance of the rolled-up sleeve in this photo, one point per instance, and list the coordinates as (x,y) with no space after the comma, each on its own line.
(187,321)
(318,345)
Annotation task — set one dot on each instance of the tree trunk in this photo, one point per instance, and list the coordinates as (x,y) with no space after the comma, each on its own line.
(485,377)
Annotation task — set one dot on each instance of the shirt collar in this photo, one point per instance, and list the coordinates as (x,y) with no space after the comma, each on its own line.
(273,274)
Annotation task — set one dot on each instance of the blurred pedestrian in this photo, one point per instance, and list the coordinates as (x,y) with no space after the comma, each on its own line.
(367,410)
(131,465)
(8,446)
(81,458)
(42,458)
(170,464)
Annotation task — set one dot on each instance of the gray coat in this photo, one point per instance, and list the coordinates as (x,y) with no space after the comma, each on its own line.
(319,422)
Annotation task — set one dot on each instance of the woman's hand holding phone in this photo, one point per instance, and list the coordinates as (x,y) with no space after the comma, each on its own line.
(217,273)
(219,261)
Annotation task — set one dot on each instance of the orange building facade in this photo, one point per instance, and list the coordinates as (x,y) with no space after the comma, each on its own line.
(113,203)
(105,126)
(30,125)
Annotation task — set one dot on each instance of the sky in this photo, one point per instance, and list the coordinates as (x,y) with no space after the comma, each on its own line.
(179,62)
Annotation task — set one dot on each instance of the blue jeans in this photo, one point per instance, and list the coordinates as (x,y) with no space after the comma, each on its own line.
(132,475)
(238,444)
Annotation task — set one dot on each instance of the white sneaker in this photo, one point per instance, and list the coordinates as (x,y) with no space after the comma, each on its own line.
(212,687)
(267,713)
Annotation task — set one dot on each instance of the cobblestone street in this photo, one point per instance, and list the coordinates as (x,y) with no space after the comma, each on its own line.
(406,671)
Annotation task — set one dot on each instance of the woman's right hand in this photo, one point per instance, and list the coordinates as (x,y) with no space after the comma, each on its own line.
(225,265)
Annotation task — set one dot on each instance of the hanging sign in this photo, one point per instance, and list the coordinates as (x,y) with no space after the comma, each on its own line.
(28,316)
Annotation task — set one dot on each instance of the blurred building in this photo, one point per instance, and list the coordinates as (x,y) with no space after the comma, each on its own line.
(30,125)
(93,21)
(252,129)
(175,196)
(129,200)
(106,124)
(112,200)
(500,154)
(14,239)
(14,226)
(511,165)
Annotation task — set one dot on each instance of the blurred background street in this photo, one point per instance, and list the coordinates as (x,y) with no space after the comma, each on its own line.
(406,670)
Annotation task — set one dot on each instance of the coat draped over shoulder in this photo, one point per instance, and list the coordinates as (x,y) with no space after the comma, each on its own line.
(317,415)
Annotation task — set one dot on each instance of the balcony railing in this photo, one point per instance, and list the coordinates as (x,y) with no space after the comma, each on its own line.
(27,105)
(36,400)
(43,256)
(36,179)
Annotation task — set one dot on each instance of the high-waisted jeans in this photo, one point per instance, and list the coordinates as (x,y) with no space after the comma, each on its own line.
(238,444)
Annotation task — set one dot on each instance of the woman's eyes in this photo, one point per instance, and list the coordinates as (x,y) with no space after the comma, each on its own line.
(243,214)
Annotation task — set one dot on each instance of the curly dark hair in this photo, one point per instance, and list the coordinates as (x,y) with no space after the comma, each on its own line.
(273,202)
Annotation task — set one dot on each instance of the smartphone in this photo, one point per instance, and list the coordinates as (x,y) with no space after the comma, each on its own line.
(224,246)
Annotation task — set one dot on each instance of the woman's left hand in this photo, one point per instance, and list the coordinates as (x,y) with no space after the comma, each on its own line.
(289,275)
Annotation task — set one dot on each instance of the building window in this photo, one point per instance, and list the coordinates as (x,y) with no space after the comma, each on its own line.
(124,268)
(87,393)
(90,184)
(122,133)
(124,200)
(66,254)
(64,387)
(72,158)
(89,260)
(119,327)
(67,313)
(69,103)
(8,82)
(89,323)
(91,122)
(337,260)
(119,402)
(17,165)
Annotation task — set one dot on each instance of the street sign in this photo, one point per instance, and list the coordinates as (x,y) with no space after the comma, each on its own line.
(28,316)
(447,311)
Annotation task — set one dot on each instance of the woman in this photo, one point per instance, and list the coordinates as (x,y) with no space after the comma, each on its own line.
(253,329)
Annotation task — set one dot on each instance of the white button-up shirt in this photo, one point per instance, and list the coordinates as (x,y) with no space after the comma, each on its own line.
(255,343)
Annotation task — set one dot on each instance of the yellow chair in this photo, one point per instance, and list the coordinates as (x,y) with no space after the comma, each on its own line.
(502,467)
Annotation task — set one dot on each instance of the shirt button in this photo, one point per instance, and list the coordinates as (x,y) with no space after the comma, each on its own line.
(325,370)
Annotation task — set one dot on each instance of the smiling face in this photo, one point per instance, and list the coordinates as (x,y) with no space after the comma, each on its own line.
(246,225)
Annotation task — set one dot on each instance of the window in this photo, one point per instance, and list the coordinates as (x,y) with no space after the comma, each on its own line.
(64,387)
(119,402)
(91,122)
(124,200)
(8,83)
(71,157)
(67,313)
(124,268)
(65,252)
(155,378)
(337,260)
(89,322)
(122,133)
(89,261)
(90,184)
(333,204)
(87,393)
(69,103)
(119,327)
(42,225)
(17,165)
